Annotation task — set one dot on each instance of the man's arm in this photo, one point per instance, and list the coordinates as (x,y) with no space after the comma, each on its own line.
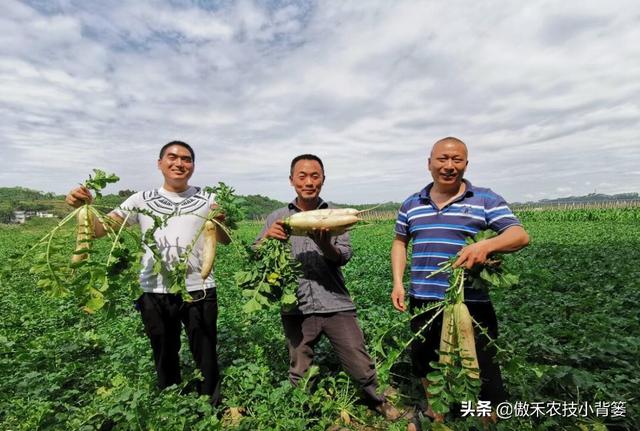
(337,249)
(512,239)
(398,265)
(273,228)
(276,230)
(81,195)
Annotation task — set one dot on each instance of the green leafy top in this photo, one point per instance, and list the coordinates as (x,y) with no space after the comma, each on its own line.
(229,204)
(100,181)
(271,277)
(481,236)
(492,274)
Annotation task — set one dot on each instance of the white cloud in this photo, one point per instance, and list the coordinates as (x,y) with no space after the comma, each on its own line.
(546,94)
(564,190)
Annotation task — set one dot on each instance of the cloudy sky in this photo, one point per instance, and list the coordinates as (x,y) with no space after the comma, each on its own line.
(545,93)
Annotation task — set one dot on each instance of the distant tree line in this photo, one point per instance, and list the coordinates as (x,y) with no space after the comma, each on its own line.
(383,207)
(22,199)
(590,198)
(23,194)
(595,197)
(255,206)
(6,211)
(258,206)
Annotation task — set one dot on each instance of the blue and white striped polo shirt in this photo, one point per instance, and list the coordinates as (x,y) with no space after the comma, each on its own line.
(439,234)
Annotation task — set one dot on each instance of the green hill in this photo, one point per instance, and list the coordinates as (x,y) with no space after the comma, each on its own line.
(255,206)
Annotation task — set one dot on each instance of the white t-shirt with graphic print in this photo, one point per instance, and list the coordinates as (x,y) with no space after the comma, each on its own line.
(188,210)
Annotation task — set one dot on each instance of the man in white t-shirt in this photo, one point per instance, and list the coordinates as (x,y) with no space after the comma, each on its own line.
(163,314)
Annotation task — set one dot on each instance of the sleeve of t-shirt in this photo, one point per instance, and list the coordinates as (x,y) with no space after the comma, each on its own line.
(498,216)
(126,210)
(402,221)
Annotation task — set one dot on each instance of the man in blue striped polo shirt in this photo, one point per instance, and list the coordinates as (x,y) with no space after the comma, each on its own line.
(437,220)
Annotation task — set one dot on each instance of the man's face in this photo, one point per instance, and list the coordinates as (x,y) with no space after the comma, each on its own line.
(448,162)
(307,178)
(176,164)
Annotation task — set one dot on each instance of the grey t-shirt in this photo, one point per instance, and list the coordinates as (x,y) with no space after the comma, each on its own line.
(322,288)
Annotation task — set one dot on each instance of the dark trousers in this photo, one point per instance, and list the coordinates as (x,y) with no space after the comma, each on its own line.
(163,316)
(345,335)
(424,351)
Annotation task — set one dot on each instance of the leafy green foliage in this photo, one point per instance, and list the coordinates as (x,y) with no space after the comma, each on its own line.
(615,215)
(99,181)
(93,280)
(6,212)
(271,278)
(229,203)
(449,383)
(568,332)
(492,274)
(92,283)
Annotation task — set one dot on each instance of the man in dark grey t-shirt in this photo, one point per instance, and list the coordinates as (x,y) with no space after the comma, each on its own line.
(324,305)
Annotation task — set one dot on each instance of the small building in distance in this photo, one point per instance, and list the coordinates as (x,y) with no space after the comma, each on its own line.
(20,216)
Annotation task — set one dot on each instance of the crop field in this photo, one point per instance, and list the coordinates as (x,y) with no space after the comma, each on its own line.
(569,343)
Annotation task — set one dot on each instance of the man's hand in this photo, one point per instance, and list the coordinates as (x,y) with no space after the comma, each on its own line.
(322,237)
(512,239)
(221,217)
(79,196)
(276,230)
(473,254)
(221,234)
(397,297)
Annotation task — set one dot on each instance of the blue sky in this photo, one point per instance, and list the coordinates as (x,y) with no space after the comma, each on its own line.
(545,93)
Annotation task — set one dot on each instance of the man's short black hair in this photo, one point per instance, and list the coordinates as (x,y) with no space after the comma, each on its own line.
(305,157)
(182,144)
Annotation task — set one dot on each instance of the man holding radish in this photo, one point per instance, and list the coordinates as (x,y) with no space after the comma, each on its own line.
(164,313)
(324,305)
(437,220)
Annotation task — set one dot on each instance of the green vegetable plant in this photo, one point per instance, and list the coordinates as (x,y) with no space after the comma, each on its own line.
(568,334)
(455,377)
(229,204)
(89,278)
(272,276)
